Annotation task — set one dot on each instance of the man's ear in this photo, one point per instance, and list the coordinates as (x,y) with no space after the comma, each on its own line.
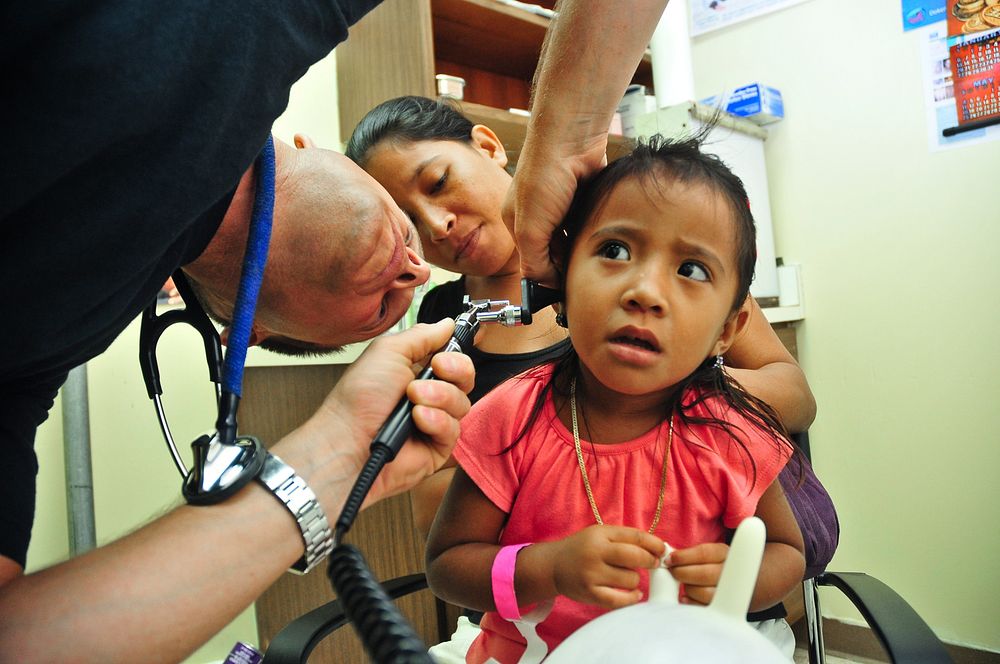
(732,329)
(257,335)
(303,141)
(487,141)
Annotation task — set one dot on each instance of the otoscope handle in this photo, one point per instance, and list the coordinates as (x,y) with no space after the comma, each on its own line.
(399,426)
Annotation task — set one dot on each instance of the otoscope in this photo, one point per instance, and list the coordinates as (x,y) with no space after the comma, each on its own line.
(399,426)
(384,632)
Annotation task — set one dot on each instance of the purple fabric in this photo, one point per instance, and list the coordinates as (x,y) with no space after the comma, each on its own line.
(814,511)
(244,654)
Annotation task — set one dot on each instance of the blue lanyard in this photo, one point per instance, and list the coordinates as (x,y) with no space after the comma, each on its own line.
(246,298)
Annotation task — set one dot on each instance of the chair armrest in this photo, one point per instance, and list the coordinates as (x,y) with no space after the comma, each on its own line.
(296,641)
(905,636)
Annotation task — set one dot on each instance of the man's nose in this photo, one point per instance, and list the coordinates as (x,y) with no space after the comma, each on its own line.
(415,271)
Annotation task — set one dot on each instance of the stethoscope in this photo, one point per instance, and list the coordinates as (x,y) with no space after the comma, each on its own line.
(223,461)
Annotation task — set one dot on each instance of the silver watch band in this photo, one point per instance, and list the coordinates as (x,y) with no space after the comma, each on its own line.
(300,500)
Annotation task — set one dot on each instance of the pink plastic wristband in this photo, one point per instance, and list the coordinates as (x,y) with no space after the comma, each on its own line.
(503,582)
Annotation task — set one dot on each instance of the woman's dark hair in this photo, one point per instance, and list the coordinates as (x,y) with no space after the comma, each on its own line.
(407,119)
(653,162)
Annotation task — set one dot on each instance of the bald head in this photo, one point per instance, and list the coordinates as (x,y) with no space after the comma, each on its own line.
(343,259)
(321,194)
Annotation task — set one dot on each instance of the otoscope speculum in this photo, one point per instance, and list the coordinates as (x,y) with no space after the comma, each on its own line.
(494,311)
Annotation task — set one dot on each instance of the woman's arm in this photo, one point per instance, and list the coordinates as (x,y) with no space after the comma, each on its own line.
(700,567)
(764,367)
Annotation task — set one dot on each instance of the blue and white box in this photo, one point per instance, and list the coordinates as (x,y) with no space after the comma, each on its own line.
(756,102)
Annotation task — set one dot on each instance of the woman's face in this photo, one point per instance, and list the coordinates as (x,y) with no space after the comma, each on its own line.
(453,191)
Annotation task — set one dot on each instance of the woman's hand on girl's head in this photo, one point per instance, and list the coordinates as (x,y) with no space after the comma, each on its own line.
(698,568)
(599,564)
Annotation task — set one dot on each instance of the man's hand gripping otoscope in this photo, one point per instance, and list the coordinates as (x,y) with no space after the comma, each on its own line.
(398,426)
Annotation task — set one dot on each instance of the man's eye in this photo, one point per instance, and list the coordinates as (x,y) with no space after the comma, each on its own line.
(615,251)
(384,309)
(693,270)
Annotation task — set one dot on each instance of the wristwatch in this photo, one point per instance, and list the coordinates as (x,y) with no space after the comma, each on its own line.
(295,494)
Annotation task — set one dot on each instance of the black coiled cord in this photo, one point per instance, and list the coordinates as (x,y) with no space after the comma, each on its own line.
(385,633)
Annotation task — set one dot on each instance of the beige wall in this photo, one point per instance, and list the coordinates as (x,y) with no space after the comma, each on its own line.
(899,253)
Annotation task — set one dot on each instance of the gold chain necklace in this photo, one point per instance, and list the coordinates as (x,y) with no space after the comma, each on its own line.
(583,467)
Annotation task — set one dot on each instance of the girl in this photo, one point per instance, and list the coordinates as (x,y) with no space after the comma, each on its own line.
(573,475)
(449,176)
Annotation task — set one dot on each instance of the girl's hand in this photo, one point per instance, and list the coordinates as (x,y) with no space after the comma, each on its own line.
(598,565)
(698,568)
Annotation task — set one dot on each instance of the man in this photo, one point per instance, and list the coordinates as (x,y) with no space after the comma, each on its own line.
(133,133)
(342,266)
(129,126)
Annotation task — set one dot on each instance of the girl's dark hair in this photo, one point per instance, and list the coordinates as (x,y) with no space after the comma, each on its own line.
(657,160)
(407,119)
(652,162)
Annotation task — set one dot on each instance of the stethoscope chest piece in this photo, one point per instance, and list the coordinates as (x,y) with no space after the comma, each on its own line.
(221,469)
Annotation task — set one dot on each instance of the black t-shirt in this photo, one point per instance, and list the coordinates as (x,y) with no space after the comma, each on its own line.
(491,368)
(127,128)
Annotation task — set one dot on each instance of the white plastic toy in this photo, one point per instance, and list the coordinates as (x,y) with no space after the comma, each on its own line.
(663,630)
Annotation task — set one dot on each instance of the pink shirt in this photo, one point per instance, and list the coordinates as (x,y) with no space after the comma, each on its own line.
(710,487)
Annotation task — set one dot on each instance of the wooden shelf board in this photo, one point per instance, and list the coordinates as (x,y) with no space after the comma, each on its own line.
(494,37)
(511,129)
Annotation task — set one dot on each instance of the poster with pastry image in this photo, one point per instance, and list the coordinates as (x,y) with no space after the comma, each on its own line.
(966,17)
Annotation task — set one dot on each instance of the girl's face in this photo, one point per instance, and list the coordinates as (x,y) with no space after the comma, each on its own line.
(453,192)
(650,285)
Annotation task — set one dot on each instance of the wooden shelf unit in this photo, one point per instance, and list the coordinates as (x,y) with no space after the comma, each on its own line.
(399,47)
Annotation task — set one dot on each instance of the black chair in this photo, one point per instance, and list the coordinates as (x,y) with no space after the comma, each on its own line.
(294,643)
(902,633)
(905,636)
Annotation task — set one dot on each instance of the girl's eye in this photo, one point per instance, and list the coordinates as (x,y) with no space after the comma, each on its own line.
(615,251)
(693,270)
